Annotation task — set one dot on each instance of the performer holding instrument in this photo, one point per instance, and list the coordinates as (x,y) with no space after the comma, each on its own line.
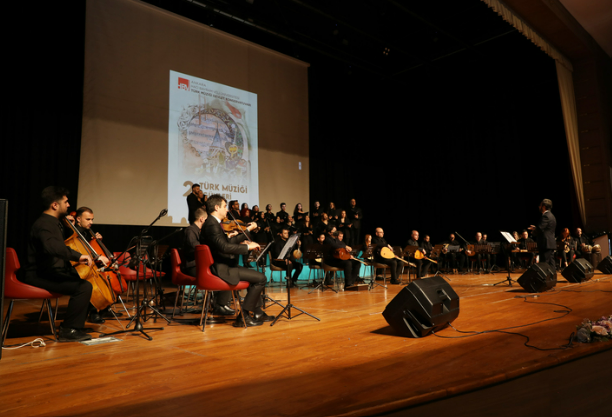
(422,263)
(49,265)
(395,266)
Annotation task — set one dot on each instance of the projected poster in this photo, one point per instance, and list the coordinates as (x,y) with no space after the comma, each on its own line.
(212,141)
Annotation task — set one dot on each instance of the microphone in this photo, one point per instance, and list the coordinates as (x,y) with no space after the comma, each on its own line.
(163,213)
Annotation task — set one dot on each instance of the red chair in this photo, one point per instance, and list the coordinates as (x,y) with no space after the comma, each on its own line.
(205,280)
(129,274)
(179,278)
(17,290)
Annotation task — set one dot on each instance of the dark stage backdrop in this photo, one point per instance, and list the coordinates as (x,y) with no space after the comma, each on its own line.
(469,143)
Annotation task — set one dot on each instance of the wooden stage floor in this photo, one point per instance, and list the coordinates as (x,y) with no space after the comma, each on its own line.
(349,363)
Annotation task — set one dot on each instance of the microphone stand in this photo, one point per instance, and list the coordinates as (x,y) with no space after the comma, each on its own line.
(467,258)
(137,318)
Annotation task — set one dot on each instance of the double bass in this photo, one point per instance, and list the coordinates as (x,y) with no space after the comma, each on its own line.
(102,295)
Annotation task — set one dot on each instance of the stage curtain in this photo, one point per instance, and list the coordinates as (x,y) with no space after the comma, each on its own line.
(570,120)
(509,16)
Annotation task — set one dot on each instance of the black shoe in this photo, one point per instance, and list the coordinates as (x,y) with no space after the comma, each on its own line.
(250,321)
(263,317)
(107,314)
(223,311)
(96,318)
(396,282)
(72,335)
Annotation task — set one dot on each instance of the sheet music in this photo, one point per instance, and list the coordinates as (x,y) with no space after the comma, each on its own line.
(508,237)
(290,242)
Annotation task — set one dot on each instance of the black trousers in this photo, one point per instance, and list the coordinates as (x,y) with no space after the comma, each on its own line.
(351,269)
(78,289)
(546,256)
(294,266)
(395,267)
(252,301)
(422,266)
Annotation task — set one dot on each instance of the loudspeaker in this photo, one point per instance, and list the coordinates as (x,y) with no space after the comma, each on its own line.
(423,306)
(538,278)
(3,225)
(605,266)
(578,271)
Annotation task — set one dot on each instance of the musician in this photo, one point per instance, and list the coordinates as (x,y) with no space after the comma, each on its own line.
(48,264)
(395,266)
(283,213)
(544,233)
(316,212)
(84,218)
(321,226)
(305,228)
(345,225)
(255,213)
(298,213)
(456,260)
(351,267)
(290,264)
(480,257)
(269,215)
(493,256)
(566,247)
(277,227)
(234,207)
(581,242)
(193,202)
(356,215)
(332,212)
(522,245)
(224,251)
(190,241)
(426,243)
(422,264)
(321,241)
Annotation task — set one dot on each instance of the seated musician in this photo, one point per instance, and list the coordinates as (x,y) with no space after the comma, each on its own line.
(566,247)
(351,267)
(454,258)
(321,241)
(527,257)
(480,256)
(224,251)
(492,256)
(429,248)
(190,241)
(290,264)
(395,266)
(83,220)
(422,265)
(48,264)
(581,241)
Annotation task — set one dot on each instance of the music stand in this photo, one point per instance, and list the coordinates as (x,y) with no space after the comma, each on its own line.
(510,239)
(139,254)
(284,256)
(265,296)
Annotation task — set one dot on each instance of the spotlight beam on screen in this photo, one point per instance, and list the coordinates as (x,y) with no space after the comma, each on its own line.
(212,141)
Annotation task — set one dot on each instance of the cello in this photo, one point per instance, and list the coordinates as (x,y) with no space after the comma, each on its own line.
(102,295)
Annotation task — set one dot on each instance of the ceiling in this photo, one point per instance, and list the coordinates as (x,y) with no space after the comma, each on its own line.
(383,37)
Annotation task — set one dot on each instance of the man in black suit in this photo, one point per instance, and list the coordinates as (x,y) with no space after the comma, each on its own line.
(290,264)
(224,251)
(48,264)
(193,202)
(422,265)
(544,233)
(351,267)
(395,266)
(356,215)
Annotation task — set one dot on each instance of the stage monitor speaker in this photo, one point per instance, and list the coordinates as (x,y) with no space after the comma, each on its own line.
(578,271)
(3,225)
(605,266)
(539,277)
(423,306)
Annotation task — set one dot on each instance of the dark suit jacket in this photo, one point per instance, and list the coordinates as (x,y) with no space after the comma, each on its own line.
(193,203)
(223,250)
(545,231)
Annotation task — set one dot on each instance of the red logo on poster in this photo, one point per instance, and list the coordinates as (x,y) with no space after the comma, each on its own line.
(183,84)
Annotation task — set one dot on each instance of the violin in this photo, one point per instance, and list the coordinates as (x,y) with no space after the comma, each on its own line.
(232,225)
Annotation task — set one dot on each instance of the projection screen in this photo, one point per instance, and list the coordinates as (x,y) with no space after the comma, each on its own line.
(146,139)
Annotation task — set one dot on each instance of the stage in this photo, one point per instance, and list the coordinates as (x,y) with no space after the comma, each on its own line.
(349,363)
